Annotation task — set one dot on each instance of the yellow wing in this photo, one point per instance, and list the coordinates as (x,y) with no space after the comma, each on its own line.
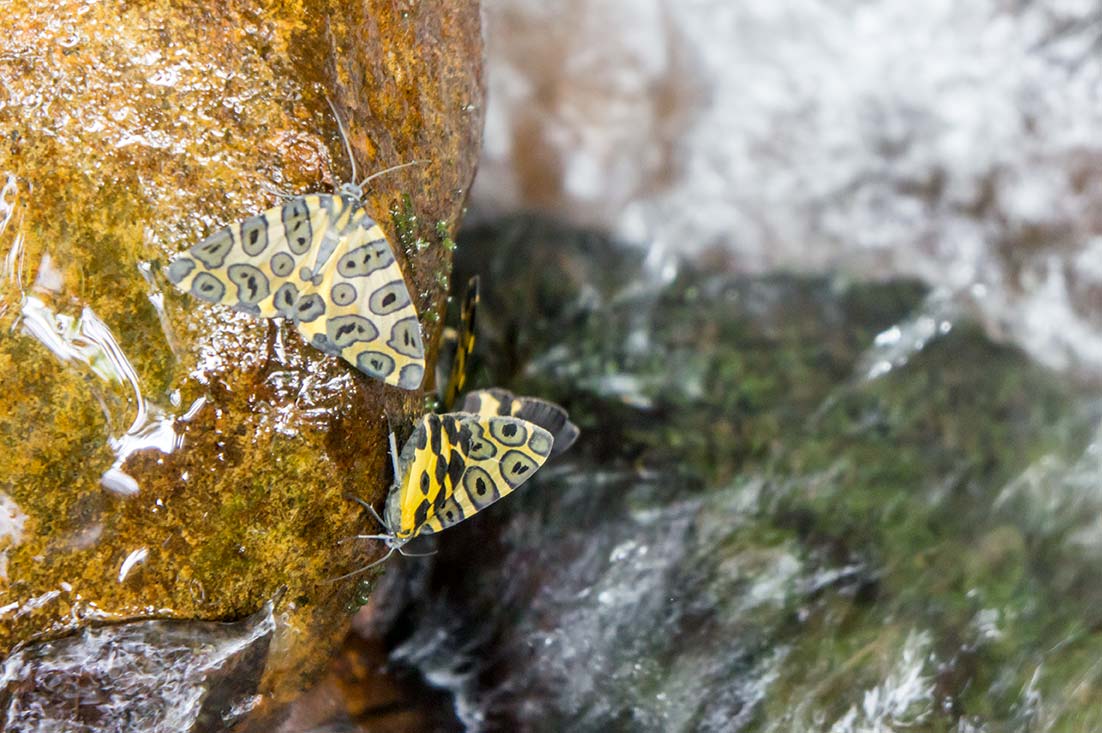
(323,263)
(464,345)
(255,265)
(549,416)
(361,309)
(457,464)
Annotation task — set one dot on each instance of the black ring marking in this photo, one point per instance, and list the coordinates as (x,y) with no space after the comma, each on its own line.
(405,338)
(508,431)
(179,268)
(365,260)
(480,487)
(252,284)
(213,250)
(254,235)
(309,308)
(375,364)
(389,298)
(480,448)
(344,331)
(285,299)
(208,288)
(411,377)
(297,227)
(541,442)
(282,264)
(321,342)
(516,467)
(343,294)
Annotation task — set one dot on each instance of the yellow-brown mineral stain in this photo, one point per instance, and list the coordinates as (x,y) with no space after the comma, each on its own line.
(131,130)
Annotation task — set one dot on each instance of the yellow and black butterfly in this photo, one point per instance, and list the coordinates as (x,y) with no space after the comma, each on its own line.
(453,466)
(321,262)
(460,342)
(496,401)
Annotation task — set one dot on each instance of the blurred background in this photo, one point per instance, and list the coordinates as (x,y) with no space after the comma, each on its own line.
(954,142)
(821,283)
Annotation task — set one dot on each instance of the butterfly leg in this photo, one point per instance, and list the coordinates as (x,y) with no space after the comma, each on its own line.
(364,569)
(373,513)
(281,193)
(383,537)
(414,554)
(394,457)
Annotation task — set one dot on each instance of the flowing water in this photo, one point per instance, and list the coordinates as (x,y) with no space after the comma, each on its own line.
(797,504)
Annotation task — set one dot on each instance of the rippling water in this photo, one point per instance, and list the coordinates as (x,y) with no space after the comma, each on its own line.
(796,504)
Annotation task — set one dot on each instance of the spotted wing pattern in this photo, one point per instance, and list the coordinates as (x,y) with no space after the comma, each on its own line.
(321,262)
(464,345)
(457,464)
(362,308)
(244,264)
(547,415)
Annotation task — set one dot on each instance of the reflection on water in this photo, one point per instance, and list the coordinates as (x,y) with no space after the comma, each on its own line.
(86,342)
(89,342)
(796,504)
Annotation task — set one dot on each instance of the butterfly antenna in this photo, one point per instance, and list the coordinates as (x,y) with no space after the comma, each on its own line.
(391,169)
(344,137)
(364,569)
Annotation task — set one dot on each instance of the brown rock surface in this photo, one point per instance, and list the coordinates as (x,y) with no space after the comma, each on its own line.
(164,458)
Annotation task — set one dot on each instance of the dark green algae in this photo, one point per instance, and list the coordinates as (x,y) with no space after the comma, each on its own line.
(831,547)
(131,130)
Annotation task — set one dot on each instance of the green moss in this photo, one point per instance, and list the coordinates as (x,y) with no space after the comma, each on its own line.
(407,227)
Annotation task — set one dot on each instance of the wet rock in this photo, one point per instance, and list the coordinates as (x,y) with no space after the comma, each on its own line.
(164,458)
(797,504)
(363,693)
(155,676)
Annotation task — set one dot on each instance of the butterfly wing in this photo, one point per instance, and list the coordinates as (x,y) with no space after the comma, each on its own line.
(457,464)
(360,308)
(500,455)
(547,415)
(255,265)
(429,468)
(464,345)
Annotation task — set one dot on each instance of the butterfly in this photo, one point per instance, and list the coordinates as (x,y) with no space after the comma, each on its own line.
(460,341)
(496,401)
(323,263)
(456,464)
(453,466)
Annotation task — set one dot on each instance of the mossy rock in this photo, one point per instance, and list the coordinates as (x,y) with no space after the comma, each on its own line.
(165,458)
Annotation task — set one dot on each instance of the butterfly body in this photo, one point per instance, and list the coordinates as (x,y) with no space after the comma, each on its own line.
(323,263)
